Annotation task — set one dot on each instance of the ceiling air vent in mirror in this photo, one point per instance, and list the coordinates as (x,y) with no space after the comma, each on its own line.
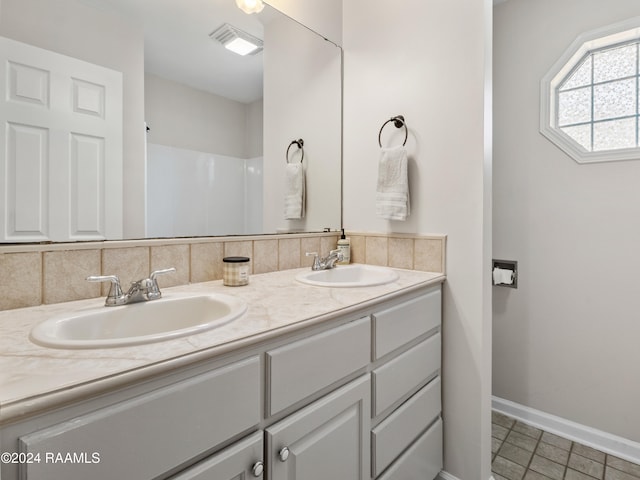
(236,40)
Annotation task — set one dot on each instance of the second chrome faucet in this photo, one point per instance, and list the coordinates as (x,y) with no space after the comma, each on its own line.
(140,291)
(325,263)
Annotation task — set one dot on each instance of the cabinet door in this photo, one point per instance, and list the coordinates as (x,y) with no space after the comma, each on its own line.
(329,439)
(242,460)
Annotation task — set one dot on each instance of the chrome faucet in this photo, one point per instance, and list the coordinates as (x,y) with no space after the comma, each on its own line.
(139,291)
(325,263)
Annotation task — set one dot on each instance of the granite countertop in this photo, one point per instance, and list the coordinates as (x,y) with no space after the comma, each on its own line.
(34,378)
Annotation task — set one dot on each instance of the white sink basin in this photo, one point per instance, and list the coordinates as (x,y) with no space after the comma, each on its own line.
(175,315)
(348,276)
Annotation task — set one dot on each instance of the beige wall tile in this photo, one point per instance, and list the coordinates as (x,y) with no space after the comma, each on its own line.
(288,253)
(377,250)
(206,261)
(266,256)
(358,248)
(401,252)
(199,262)
(21,280)
(167,256)
(429,255)
(243,248)
(65,274)
(327,244)
(309,244)
(129,264)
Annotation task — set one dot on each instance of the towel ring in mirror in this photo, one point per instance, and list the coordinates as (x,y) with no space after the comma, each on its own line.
(300,144)
(398,122)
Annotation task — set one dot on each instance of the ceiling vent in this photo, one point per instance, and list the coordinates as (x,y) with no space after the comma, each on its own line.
(236,40)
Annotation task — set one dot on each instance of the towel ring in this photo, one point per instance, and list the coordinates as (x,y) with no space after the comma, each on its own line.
(399,122)
(300,144)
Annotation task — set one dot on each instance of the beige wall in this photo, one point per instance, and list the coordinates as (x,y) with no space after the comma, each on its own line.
(428,60)
(566,341)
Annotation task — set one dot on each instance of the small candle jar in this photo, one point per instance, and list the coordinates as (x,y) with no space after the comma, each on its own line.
(236,271)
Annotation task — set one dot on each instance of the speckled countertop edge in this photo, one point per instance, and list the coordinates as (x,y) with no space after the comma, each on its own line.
(35,378)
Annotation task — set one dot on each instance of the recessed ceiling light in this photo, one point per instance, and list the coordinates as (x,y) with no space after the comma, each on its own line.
(250,6)
(236,40)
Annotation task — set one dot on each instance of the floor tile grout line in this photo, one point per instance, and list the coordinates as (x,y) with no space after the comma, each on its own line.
(533,455)
(566,467)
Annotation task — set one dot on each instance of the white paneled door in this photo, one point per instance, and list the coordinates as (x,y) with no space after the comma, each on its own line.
(60,147)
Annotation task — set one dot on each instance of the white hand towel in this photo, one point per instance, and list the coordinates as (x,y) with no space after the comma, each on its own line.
(294,191)
(392,194)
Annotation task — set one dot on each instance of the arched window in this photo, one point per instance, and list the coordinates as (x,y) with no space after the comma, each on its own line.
(590,105)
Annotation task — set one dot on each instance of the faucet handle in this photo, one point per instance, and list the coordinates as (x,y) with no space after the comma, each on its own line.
(115,292)
(154,290)
(316,260)
(155,273)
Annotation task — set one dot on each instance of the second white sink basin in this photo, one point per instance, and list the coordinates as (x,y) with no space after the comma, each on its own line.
(348,276)
(174,315)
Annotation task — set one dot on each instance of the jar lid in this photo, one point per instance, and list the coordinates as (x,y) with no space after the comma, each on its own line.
(235,259)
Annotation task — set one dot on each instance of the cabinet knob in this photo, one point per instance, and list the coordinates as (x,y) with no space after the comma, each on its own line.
(283,454)
(257,469)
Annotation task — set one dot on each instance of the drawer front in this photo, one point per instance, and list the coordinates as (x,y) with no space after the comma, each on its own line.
(151,434)
(392,436)
(396,378)
(299,369)
(237,461)
(402,323)
(422,460)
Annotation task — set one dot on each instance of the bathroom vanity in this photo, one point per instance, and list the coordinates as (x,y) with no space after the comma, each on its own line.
(310,383)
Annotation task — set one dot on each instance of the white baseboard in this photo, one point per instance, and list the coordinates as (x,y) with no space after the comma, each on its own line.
(603,441)
(447,476)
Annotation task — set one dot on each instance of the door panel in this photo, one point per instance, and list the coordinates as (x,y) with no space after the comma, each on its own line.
(327,439)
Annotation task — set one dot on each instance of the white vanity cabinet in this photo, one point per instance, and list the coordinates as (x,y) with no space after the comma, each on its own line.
(353,398)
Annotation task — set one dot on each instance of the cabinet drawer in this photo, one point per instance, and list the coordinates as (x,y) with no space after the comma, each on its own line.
(151,434)
(403,426)
(422,460)
(399,376)
(299,369)
(232,463)
(402,323)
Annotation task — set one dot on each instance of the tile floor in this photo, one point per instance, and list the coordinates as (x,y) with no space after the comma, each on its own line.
(521,452)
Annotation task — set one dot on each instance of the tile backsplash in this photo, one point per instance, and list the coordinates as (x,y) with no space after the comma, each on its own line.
(31,275)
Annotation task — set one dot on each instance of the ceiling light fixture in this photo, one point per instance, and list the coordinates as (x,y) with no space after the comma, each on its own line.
(236,40)
(250,6)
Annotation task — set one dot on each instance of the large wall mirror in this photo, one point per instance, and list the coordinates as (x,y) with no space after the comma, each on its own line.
(213,159)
